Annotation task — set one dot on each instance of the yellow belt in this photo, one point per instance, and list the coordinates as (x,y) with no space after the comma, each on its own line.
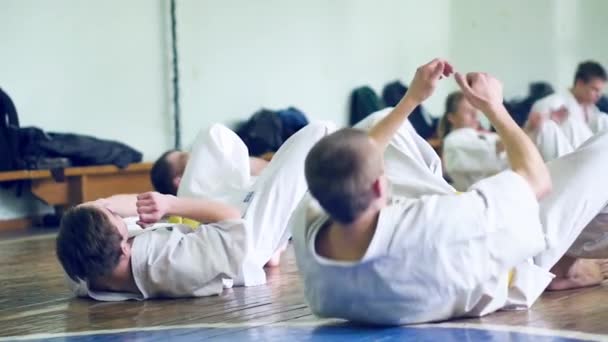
(182,220)
(511,276)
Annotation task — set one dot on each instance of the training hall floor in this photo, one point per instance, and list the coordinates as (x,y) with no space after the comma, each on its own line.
(35,305)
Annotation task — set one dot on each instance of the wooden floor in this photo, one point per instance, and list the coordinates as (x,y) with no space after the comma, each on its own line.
(34,300)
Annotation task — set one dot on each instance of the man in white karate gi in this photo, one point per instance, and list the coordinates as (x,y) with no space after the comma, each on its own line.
(426,253)
(561,122)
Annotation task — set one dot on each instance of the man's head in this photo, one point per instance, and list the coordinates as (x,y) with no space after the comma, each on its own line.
(345,174)
(589,82)
(92,242)
(167,171)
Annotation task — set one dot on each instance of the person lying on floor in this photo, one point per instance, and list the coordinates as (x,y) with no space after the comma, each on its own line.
(218,168)
(424,252)
(168,170)
(232,244)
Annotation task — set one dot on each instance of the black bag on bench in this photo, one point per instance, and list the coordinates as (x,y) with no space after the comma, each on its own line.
(9,126)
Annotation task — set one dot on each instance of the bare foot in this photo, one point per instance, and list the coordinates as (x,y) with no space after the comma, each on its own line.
(603,264)
(275,260)
(571,273)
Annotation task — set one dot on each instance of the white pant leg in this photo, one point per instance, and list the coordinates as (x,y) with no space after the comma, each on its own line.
(577,197)
(411,164)
(593,240)
(551,141)
(278,190)
(218,168)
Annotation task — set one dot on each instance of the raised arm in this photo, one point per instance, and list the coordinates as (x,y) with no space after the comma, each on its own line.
(485,93)
(153,206)
(421,87)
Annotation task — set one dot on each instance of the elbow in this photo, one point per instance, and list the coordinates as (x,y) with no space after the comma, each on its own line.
(542,184)
(543,188)
(539,181)
(232,214)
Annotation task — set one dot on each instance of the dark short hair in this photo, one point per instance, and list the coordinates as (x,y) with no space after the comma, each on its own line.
(586,71)
(162,175)
(88,244)
(340,170)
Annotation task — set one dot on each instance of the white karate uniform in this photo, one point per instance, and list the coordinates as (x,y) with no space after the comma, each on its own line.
(574,215)
(443,255)
(470,156)
(551,141)
(424,160)
(582,122)
(176,261)
(172,261)
(218,169)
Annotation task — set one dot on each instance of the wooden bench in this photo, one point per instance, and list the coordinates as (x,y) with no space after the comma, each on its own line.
(75,185)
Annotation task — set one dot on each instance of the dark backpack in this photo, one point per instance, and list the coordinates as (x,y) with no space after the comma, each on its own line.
(9,125)
(293,120)
(520,110)
(266,130)
(602,104)
(262,133)
(363,102)
(392,94)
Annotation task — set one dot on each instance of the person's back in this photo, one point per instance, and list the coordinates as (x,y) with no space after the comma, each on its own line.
(423,262)
(413,259)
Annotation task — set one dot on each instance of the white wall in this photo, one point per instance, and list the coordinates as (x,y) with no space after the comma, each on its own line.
(522,41)
(510,39)
(91,67)
(102,67)
(589,38)
(242,55)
